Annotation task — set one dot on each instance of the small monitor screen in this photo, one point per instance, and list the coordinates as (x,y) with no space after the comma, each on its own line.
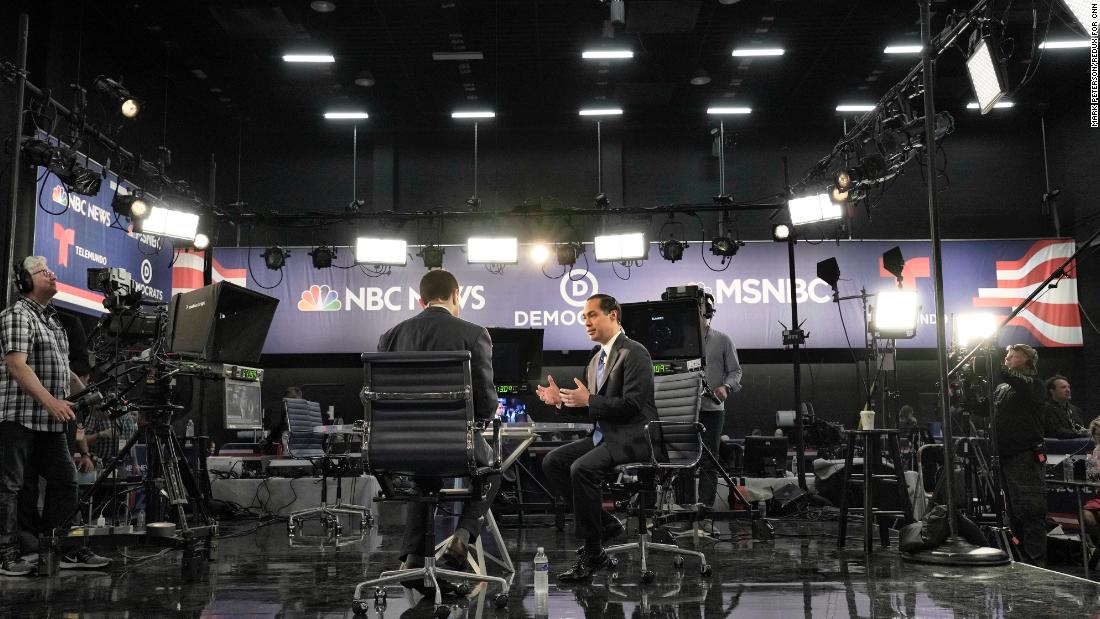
(512,410)
(243,410)
(517,355)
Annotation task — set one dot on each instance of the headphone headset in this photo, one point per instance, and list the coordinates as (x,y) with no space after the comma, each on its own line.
(24,281)
(708,305)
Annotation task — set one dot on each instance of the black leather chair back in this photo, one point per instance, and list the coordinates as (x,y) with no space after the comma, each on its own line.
(677,399)
(419,414)
(301,417)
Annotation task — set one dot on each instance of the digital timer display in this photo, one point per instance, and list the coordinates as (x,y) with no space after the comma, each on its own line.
(504,389)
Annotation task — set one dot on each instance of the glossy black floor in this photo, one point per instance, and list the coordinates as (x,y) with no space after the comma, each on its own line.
(799,573)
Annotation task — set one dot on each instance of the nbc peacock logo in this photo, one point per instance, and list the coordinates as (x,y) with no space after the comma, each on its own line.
(319,299)
(59,195)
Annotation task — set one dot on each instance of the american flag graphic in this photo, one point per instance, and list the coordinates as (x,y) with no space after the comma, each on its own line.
(1053,317)
(187,272)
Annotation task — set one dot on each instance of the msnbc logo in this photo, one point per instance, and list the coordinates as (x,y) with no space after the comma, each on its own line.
(319,299)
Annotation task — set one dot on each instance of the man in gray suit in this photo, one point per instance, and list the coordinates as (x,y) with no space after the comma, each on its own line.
(617,395)
(438,327)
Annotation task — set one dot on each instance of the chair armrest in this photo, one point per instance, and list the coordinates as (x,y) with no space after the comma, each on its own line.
(653,452)
(496,442)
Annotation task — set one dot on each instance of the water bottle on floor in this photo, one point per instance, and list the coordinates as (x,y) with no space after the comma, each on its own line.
(542,584)
(542,572)
(189,430)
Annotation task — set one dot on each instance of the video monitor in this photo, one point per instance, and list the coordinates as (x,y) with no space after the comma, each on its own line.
(512,410)
(517,355)
(668,329)
(222,322)
(243,408)
(765,456)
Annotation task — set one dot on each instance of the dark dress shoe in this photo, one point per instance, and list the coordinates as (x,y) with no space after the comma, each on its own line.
(612,529)
(584,568)
(454,556)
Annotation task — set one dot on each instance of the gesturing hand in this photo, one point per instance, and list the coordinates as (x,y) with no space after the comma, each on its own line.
(550,395)
(575,397)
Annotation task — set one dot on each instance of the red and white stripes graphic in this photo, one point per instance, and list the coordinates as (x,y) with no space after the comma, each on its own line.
(187,272)
(1054,318)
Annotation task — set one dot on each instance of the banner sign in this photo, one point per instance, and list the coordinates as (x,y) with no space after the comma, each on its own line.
(346,310)
(76,233)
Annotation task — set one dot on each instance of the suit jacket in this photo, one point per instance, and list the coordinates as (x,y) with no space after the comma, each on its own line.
(437,329)
(624,403)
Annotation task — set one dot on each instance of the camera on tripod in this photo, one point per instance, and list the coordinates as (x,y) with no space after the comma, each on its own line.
(117,286)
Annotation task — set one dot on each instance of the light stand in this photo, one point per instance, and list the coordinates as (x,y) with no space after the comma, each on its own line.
(795,337)
(954,551)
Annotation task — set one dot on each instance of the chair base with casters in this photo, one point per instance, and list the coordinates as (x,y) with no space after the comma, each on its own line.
(476,555)
(329,515)
(644,546)
(429,573)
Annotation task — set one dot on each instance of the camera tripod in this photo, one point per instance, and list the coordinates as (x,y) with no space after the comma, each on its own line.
(170,486)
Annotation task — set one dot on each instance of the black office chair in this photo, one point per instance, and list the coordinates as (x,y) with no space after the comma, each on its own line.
(302,416)
(679,430)
(420,422)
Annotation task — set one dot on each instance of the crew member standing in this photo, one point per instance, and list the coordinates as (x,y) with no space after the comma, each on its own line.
(34,380)
(1019,428)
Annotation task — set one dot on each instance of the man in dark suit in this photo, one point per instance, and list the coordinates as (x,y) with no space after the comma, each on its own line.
(438,327)
(617,395)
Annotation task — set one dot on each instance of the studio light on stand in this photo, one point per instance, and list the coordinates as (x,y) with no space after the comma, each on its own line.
(381,252)
(275,257)
(128,106)
(201,241)
(61,161)
(973,328)
(322,256)
(987,73)
(621,247)
(432,255)
(894,315)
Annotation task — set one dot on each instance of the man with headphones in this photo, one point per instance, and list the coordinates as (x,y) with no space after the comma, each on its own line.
(35,379)
(723,376)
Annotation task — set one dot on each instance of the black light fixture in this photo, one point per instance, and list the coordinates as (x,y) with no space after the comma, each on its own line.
(275,257)
(828,271)
(132,206)
(432,255)
(601,200)
(894,263)
(128,106)
(322,256)
(725,246)
(700,77)
(871,169)
(671,249)
(61,162)
(781,232)
(568,253)
(365,79)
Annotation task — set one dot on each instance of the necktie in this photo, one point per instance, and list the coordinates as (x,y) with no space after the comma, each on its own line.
(597,434)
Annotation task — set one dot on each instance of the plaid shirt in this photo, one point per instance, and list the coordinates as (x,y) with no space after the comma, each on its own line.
(107,448)
(34,329)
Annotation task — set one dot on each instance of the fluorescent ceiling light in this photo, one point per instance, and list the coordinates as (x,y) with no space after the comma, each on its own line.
(616,247)
(484,250)
(985,75)
(170,222)
(812,209)
(610,111)
(895,313)
(852,107)
(973,105)
(485,114)
(1064,44)
(309,58)
(345,115)
(744,52)
(902,49)
(974,327)
(458,56)
(381,251)
(729,110)
(606,54)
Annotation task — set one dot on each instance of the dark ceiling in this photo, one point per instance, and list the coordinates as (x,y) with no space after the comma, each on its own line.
(225,57)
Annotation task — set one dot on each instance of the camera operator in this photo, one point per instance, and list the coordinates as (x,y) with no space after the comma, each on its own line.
(34,381)
(1019,428)
(723,375)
